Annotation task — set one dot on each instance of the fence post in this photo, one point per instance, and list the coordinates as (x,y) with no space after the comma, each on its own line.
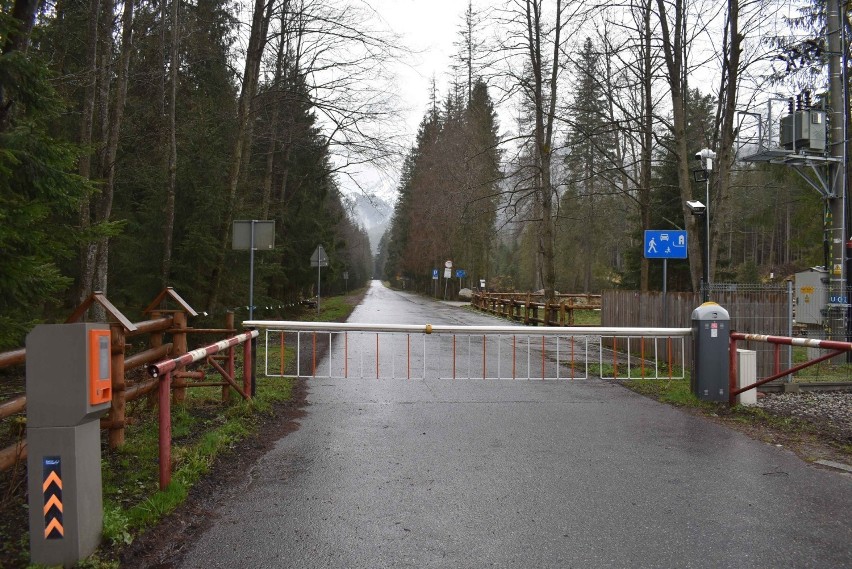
(119,402)
(180,348)
(789,378)
(248,369)
(165,431)
(155,340)
(229,324)
(732,371)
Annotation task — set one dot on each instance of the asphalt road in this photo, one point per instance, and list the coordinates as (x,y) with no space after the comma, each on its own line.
(442,473)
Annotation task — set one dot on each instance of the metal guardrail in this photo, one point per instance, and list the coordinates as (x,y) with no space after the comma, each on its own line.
(397,351)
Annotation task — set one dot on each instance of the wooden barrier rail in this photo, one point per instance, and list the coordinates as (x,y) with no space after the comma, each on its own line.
(522,307)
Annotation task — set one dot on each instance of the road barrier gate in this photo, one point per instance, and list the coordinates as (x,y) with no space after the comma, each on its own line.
(68,390)
(711,329)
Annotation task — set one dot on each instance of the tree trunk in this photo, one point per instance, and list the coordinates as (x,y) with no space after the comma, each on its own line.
(544,117)
(278,90)
(23,14)
(254,53)
(647,148)
(728,108)
(674,52)
(87,122)
(169,213)
(113,123)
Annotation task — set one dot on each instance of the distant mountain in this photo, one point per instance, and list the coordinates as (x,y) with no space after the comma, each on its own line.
(373,213)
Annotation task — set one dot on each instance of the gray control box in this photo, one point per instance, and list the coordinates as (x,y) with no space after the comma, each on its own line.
(69,387)
(711,331)
(70,369)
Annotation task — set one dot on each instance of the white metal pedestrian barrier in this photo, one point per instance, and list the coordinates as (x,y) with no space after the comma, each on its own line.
(416,352)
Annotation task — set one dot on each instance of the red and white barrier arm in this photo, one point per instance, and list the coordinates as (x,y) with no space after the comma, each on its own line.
(787,341)
(165,366)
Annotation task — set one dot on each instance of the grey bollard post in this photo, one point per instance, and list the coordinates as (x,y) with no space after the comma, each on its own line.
(711,330)
(69,388)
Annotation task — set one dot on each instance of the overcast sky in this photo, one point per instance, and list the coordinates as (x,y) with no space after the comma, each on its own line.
(428,28)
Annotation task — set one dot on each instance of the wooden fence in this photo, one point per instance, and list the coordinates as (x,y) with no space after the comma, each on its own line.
(534,309)
(162,321)
(758,312)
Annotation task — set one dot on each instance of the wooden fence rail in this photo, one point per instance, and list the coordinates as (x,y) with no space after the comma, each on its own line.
(162,322)
(533,309)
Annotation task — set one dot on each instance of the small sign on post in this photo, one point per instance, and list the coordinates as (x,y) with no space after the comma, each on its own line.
(665,244)
(319,259)
(252,235)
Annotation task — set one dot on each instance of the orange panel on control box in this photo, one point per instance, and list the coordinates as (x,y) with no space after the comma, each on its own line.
(100,367)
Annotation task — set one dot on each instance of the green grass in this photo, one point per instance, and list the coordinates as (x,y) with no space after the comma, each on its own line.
(662,370)
(823,371)
(200,433)
(587,317)
(672,391)
(332,309)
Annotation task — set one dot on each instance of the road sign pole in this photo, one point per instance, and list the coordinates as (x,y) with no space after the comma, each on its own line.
(251,271)
(665,291)
(318,259)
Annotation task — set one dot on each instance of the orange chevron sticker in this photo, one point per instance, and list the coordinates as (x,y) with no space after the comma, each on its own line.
(52,489)
(54,526)
(52,478)
(53,502)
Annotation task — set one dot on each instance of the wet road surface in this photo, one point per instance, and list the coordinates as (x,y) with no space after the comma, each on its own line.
(443,473)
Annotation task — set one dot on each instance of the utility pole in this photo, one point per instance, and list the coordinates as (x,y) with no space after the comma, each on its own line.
(838,298)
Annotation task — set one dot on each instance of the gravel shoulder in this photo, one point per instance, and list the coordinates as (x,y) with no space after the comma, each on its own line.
(826,418)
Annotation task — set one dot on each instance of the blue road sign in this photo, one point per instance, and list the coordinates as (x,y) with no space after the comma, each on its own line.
(435,274)
(665,244)
(461,273)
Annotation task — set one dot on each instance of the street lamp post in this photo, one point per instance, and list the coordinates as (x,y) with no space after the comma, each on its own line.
(699,210)
(706,157)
